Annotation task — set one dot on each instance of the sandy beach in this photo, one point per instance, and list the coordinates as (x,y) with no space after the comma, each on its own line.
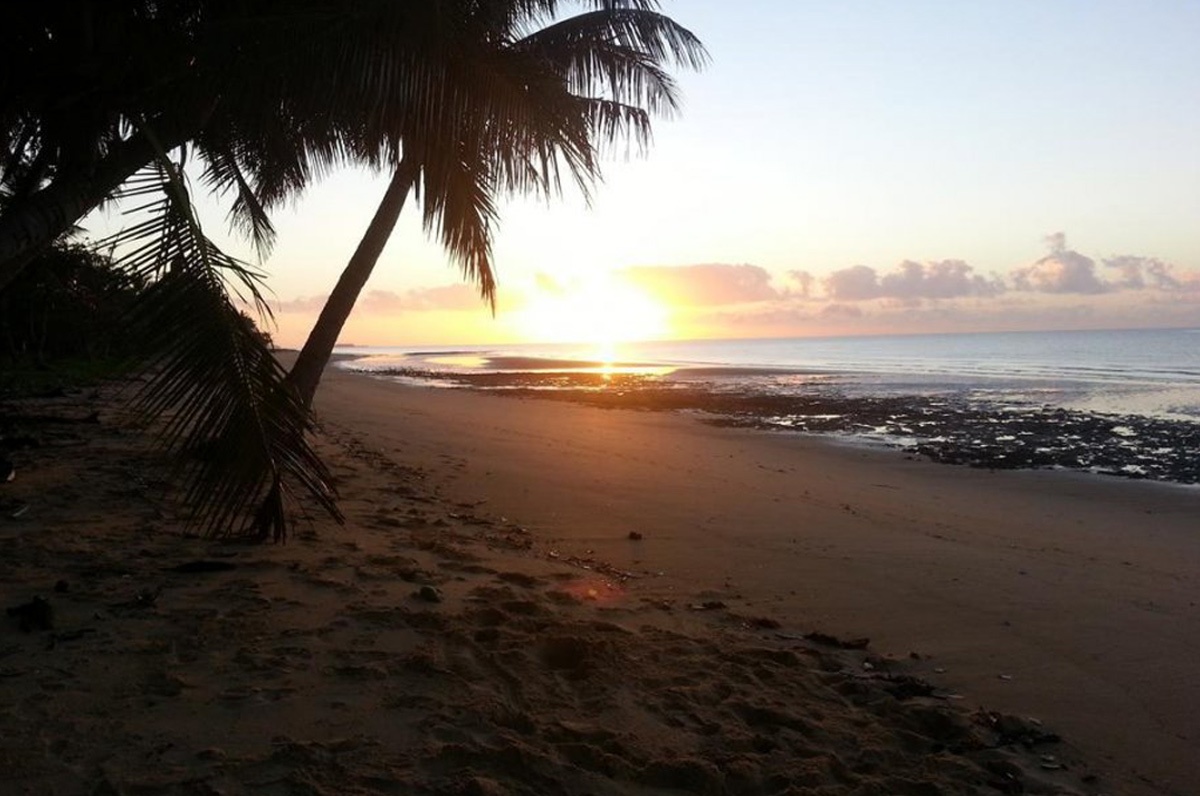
(541,597)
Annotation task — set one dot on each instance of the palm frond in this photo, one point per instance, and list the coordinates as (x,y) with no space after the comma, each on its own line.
(248,211)
(503,115)
(217,387)
(459,204)
(619,54)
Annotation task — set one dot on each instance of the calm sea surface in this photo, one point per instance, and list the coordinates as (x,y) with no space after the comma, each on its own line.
(1153,373)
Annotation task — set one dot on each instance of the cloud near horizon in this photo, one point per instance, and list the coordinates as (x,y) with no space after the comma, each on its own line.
(443,297)
(1063,289)
(703,285)
(909,281)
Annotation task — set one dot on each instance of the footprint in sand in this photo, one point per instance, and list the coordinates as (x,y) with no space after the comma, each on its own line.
(520,579)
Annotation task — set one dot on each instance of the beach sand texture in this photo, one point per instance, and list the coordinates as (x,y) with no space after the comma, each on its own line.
(540,597)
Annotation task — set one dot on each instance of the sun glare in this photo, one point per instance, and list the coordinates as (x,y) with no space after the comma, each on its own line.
(600,312)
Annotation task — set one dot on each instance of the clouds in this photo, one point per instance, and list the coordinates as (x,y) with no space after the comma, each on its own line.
(856,283)
(1063,289)
(1067,271)
(703,285)
(1136,273)
(910,281)
(1062,271)
(442,297)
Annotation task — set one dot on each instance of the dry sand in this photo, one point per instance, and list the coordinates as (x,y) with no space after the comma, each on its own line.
(562,656)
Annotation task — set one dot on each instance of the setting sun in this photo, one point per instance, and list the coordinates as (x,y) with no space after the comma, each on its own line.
(599,311)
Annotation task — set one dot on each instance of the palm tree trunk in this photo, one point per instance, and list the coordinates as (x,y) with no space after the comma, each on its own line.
(306,373)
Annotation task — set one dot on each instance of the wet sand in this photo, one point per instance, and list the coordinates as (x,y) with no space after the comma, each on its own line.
(540,597)
(1063,596)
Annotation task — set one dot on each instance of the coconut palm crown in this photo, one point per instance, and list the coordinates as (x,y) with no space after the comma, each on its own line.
(464,99)
(538,100)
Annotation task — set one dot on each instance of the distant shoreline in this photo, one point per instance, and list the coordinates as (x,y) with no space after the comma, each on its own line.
(949,430)
(1027,589)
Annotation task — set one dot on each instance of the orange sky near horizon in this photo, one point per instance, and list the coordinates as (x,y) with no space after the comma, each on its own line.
(923,167)
(1062,290)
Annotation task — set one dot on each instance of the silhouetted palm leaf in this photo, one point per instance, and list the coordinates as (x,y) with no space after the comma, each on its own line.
(465,99)
(515,108)
(217,388)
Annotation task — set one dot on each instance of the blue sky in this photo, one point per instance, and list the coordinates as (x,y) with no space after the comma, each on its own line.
(834,135)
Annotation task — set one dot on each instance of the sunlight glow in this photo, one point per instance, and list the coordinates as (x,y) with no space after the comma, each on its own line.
(598,311)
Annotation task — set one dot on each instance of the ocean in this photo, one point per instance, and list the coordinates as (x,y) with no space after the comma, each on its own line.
(1148,372)
(1117,402)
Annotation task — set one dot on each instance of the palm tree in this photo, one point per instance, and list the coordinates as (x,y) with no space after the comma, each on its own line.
(269,94)
(530,103)
(94,98)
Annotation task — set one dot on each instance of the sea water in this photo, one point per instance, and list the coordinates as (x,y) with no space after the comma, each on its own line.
(1146,372)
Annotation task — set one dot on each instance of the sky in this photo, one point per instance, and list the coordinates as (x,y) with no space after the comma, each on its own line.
(839,168)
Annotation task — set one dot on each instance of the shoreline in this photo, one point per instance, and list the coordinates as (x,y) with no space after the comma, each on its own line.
(945,428)
(563,655)
(957,563)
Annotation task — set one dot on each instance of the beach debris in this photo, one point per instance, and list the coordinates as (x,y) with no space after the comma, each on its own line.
(145,598)
(37,614)
(707,605)
(1051,766)
(905,686)
(8,471)
(201,566)
(635,536)
(762,623)
(428,594)
(827,640)
(591,564)
(142,598)
(1014,729)
(61,587)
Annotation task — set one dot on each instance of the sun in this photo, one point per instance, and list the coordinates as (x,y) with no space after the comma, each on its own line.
(599,311)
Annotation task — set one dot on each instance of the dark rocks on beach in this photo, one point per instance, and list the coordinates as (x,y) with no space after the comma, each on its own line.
(948,428)
(904,687)
(1014,730)
(763,623)
(827,640)
(428,594)
(37,614)
(1004,438)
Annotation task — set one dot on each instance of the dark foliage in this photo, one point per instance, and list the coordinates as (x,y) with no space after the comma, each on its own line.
(68,304)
